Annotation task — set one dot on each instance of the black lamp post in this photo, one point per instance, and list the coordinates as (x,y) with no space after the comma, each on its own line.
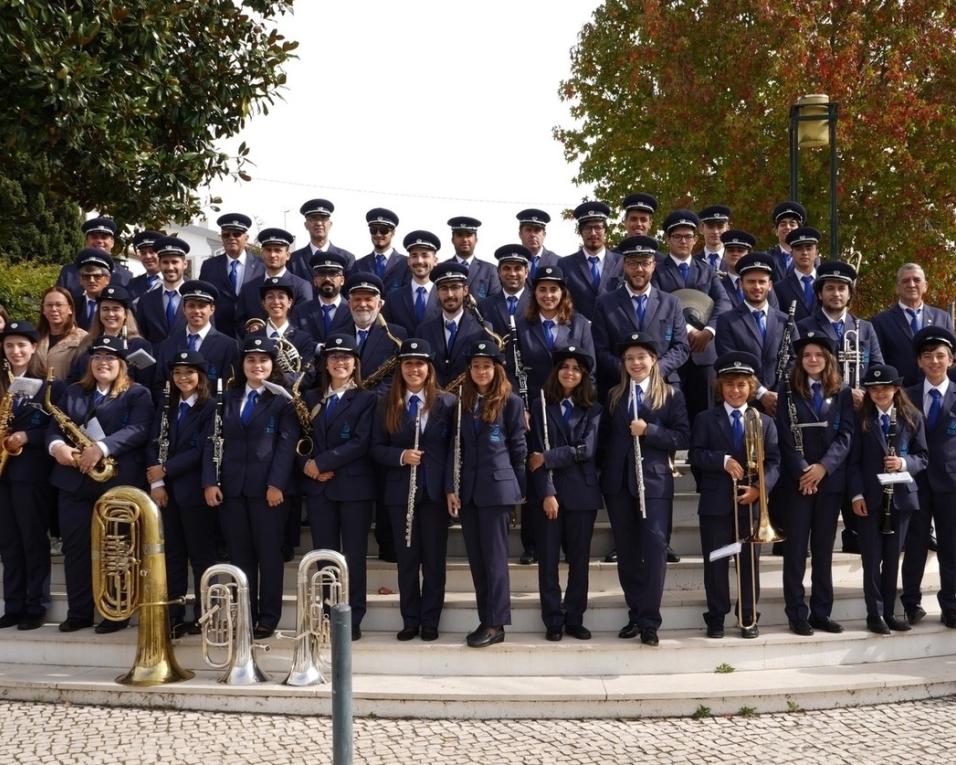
(813,121)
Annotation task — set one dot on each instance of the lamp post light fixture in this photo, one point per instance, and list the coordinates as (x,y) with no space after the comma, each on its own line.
(813,121)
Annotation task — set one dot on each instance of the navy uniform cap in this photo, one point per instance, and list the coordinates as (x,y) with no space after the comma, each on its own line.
(117,294)
(171,245)
(327,261)
(91,256)
(789,210)
(735,237)
(464,223)
(681,218)
(931,336)
(533,217)
(196,289)
(591,211)
(881,374)
(234,221)
(146,238)
(20,329)
(100,225)
(513,253)
(755,261)
(549,274)
(106,344)
(835,270)
(640,201)
(639,340)
(363,281)
(719,213)
(341,343)
(189,359)
(415,348)
(736,363)
(382,217)
(258,344)
(449,271)
(277,283)
(559,355)
(421,238)
(321,207)
(638,246)
(275,236)
(484,349)
(803,235)
(814,337)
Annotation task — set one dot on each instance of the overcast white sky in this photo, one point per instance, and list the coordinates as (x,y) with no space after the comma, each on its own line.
(431,109)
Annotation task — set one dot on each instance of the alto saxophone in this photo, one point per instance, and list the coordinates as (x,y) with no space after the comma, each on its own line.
(6,424)
(388,366)
(102,471)
(305,444)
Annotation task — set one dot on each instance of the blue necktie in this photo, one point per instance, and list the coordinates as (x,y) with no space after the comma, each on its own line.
(192,342)
(420,303)
(465,263)
(512,302)
(914,320)
(183,411)
(807,289)
(935,408)
(330,403)
(636,402)
(714,259)
(885,424)
(151,281)
(380,266)
(275,334)
(761,324)
(740,292)
(476,415)
(170,307)
(817,398)
(246,414)
(413,407)
(738,429)
(548,333)
(362,337)
(327,318)
(534,266)
(98,399)
(684,269)
(234,276)
(787,261)
(595,273)
(566,407)
(90,310)
(639,308)
(838,327)
(452,328)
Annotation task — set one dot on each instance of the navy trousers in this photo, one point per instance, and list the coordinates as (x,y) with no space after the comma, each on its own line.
(24,546)
(190,534)
(809,520)
(75,518)
(575,529)
(421,567)
(881,560)
(485,530)
(715,532)
(938,508)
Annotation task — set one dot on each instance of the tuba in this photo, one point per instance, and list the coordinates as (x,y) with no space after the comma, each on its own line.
(105,469)
(129,575)
(227,625)
(317,592)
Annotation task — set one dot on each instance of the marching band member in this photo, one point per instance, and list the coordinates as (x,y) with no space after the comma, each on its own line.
(890,437)
(274,246)
(231,269)
(593,269)
(318,222)
(116,413)
(797,285)
(387,263)
(738,243)
(639,209)
(259,431)
(417,300)
(144,245)
(815,427)
(25,490)
(566,479)
(513,260)
(159,313)
(175,480)
(531,233)
(420,548)
(341,490)
(786,217)
(714,222)
(492,481)
(328,312)
(717,448)
(656,414)
(482,276)
(59,334)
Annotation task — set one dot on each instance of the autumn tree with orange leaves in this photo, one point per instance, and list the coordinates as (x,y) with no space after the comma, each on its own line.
(690,101)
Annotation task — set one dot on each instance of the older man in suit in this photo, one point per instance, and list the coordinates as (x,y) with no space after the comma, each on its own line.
(532,229)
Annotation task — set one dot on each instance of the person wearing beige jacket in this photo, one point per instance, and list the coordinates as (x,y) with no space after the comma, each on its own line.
(59,336)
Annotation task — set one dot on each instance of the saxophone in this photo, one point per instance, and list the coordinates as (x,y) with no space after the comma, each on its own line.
(6,423)
(305,444)
(105,469)
(388,366)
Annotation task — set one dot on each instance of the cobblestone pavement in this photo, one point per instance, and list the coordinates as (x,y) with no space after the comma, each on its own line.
(913,732)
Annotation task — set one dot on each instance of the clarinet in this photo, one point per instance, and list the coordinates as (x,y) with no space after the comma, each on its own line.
(163,440)
(412,484)
(638,459)
(783,355)
(544,428)
(521,373)
(886,518)
(456,454)
(795,430)
(216,435)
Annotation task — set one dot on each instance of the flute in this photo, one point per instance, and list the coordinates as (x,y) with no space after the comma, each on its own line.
(638,458)
(412,484)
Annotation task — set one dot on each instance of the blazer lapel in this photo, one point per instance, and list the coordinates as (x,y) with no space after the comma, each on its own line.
(902,321)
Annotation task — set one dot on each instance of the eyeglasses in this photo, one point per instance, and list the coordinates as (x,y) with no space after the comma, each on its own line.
(231,234)
(683,237)
(104,358)
(379,230)
(95,277)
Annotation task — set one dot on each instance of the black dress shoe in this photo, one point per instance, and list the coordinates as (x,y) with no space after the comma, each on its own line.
(932,545)
(649,636)
(388,556)
(9,620)
(475,632)
(72,625)
(672,557)
(407,633)
(715,630)
(897,625)
(429,633)
(851,543)
(628,631)
(107,626)
(749,633)
(263,631)
(553,635)
(801,627)
(356,632)
(877,626)
(948,617)
(578,631)
(527,558)
(915,615)
(488,636)
(31,622)
(826,624)
(611,557)
(195,628)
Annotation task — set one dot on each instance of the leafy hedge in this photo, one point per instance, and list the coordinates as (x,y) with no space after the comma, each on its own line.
(21,286)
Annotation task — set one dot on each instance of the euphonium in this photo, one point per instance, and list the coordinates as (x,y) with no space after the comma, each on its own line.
(318,591)
(129,575)
(105,469)
(226,624)
(6,421)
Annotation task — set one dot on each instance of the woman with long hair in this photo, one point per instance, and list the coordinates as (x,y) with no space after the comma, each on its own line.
(491,473)
(642,407)
(117,413)
(420,548)
(340,486)
(564,472)
(814,448)
(59,335)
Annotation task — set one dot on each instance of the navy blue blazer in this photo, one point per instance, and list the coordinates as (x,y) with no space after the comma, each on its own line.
(668,430)
(220,351)
(308,317)
(828,445)
(494,310)
(125,419)
(34,463)
(139,285)
(737,331)
(434,441)
(615,319)
(545,259)
(711,439)
(535,355)
(249,304)
(728,284)
(493,458)
(299,261)
(151,317)
(448,365)
(342,444)
(377,349)
(482,277)
(573,476)
(940,473)
(577,275)
(396,274)
(184,459)
(780,266)
(215,270)
(869,342)
(896,338)
(866,460)
(79,313)
(256,455)
(399,309)
(69,277)
(790,289)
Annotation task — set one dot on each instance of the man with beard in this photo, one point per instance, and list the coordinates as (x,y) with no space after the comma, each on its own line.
(231,270)
(737,243)
(328,313)
(318,222)
(159,313)
(374,345)
(532,225)
(275,244)
(384,260)
(513,261)
(417,301)
(482,276)
(592,270)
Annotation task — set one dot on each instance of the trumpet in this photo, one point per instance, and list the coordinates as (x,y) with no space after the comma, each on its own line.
(105,469)
(851,358)
(227,625)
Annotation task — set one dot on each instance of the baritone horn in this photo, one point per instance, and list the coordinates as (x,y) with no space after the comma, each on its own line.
(129,575)
(323,582)
(227,625)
